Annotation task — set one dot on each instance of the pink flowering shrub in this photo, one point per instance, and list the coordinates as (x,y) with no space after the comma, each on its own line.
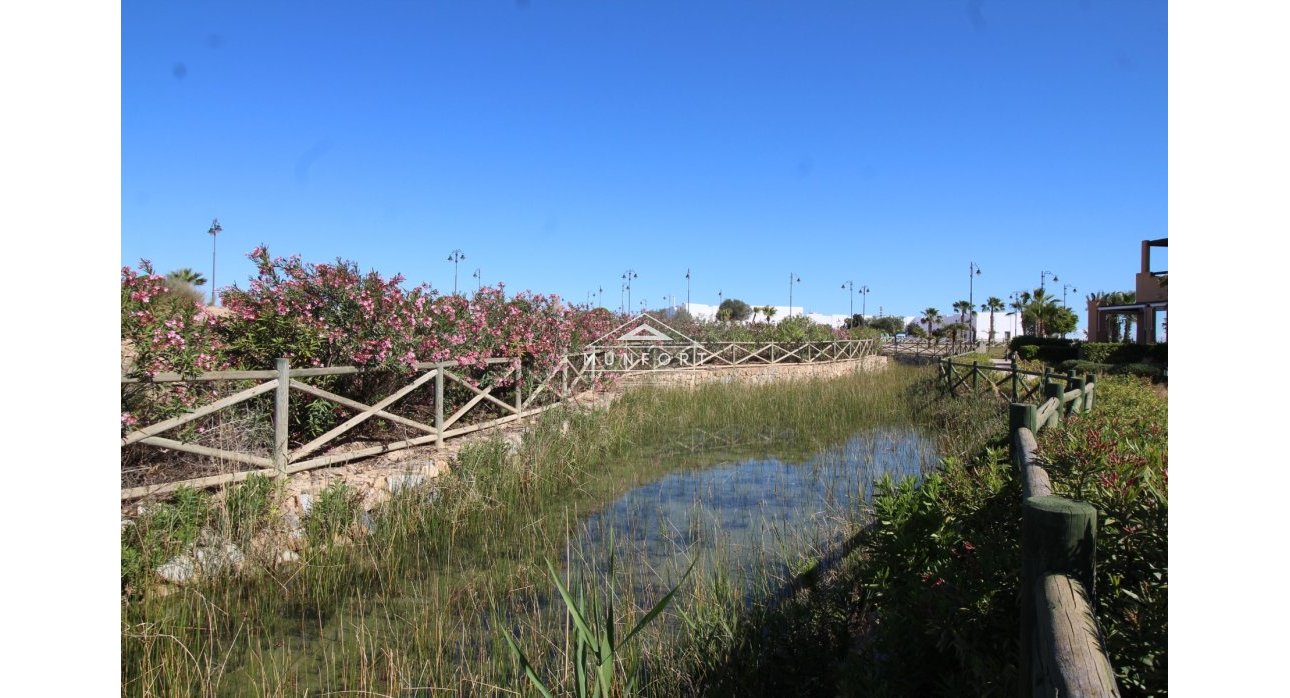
(335,315)
(162,332)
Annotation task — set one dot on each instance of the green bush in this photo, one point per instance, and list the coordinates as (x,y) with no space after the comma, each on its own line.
(1081,367)
(1158,353)
(1030,340)
(165,530)
(1144,370)
(942,565)
(1116,458)
(1057,353)
(1113,352)
(332,514)
(1028,352)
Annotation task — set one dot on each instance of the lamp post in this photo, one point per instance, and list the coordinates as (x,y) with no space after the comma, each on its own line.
(974,270)
(455,258)
(627,279)
(852,298)
(687,291)
(213,230)
(1065,288)
(479,280)
(600,293)
(1042,274)
(864,299)
(792,279)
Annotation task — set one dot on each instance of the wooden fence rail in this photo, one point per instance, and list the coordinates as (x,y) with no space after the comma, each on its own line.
(924,350)
(572,375)
(1062,652)
(284,379)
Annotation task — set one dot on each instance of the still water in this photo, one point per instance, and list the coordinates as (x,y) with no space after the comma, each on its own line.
(750,517)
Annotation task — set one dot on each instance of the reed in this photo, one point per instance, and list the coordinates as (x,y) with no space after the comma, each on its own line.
(428,598)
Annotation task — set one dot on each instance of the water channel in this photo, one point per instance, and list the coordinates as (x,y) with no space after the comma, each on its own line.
(753,517)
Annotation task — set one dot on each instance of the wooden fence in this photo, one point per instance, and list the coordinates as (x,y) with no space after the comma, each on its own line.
(574,374)
(1011,383)
(679,355)
(567,379)
(1062,652)
(924,350)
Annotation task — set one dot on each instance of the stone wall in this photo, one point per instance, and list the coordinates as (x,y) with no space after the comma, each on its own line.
(754,375)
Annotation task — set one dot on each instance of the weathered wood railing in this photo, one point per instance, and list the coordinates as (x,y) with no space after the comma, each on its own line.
(1010,382)
(565,380)
(922,349)
(682,355)
(573,374)
(1062,653)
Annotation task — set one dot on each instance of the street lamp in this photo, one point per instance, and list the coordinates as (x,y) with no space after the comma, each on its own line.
(792,279)
(1042,274)
(600,293)
(864,299)
(687,291)
(1065,288)
(627,279)
(852,298)
(213,230)
(455,258)
(974,270)
(479,279)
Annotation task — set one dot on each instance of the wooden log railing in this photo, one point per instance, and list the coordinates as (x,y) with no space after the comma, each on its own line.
(1062,651)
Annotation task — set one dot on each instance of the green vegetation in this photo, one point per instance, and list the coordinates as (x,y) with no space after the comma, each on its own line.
(943,565)
(419,596)
(447,584)
(733,309)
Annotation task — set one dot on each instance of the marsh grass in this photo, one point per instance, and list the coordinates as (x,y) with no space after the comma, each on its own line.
(422,601)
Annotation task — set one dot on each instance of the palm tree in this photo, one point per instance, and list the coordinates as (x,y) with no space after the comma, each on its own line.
(769,311)
(963,308)
(992,305)
(755,309)
(188,276)
(931,316)
(1040,308)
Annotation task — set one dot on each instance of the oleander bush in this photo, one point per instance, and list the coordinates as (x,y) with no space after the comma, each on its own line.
(943,565)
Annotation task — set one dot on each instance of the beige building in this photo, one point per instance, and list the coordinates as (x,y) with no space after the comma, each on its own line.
(1151,303)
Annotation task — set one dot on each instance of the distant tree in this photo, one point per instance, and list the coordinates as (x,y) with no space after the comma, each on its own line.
(931,316)
(737,309)
(963,308)
(913,329)
(1061,321)
(187,276)
(992,305)
(888,324)
(853,322)
(953,330)
(769,311)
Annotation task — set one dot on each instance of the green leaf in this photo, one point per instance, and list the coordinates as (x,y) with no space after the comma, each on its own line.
(524,663)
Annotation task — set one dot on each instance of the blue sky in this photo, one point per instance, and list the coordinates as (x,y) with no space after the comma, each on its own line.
(560,144)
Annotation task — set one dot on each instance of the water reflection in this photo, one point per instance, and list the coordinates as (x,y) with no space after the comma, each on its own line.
(750,515)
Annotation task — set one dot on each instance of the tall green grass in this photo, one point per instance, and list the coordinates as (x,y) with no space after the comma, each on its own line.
(423,602)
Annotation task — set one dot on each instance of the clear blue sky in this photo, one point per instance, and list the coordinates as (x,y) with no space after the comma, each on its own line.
(560,144)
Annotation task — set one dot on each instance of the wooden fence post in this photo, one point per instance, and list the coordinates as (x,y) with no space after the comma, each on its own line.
(1059,535)
(1016,380)
(975,371)
(1090,391)
(1076,405)
(281,400)
(438,407)
(519,384)
(1022,415)
(1052,389)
